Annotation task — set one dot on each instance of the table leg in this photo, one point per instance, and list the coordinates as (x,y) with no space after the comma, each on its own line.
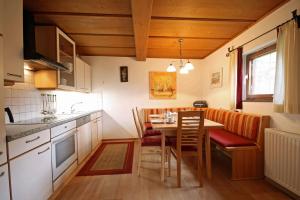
(208,154)
(163,150)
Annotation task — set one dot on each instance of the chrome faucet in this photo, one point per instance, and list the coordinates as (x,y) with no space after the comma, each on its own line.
(72,106)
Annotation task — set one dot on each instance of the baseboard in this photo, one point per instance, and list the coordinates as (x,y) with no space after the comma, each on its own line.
(120,139)
(283,189)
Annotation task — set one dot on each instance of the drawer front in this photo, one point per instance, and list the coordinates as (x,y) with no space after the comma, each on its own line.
(55,131)
(27,143)
(4,183)
(83,120)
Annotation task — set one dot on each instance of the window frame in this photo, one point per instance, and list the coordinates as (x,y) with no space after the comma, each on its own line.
(249,58)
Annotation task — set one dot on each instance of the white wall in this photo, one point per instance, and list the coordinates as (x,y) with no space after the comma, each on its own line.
(220,98)
(119,98)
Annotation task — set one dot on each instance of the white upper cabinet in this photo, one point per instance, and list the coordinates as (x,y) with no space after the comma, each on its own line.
(83,76)
(13,40)
(87,78)
(66,56)
(80,76)
(3,157)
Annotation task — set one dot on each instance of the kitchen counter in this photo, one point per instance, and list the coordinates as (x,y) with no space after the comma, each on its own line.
(16,131)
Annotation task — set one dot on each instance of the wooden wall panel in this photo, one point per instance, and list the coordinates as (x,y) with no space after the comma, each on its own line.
(192,28)
(174,53)
(103,40)
(188,43)
(88,24)
(79,6)
(217,9)
(105,51)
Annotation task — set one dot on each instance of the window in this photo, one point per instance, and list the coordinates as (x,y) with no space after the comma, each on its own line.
(260,71)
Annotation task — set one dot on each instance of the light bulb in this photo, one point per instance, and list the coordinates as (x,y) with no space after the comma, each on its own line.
(171,68)
(189,66)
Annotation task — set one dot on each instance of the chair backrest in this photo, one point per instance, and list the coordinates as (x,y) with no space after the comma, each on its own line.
(140,118)
(138,128)
(190,128)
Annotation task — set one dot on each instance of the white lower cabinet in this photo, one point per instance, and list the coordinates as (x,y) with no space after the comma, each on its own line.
(99,129)
(84,138)
(31,174)
(94,134)
(4,183)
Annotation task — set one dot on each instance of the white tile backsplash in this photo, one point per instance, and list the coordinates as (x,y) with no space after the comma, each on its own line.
(25,100)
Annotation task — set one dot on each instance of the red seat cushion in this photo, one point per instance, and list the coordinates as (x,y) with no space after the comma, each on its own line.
(228,139)
(153,141)
(148,133)
(173,143)
(148,125)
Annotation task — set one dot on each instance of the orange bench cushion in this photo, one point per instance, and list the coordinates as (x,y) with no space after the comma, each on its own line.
(228,139)
(242,124)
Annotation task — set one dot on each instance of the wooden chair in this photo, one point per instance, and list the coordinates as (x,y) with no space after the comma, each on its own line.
(150,143)
(189,140)
(146,132)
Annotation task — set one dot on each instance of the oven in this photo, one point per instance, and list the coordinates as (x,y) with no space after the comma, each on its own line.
(64,152)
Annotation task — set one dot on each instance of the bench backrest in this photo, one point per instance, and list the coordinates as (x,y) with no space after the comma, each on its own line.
(243,124)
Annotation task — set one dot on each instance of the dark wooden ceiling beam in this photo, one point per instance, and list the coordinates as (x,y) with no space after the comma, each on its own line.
(141,16)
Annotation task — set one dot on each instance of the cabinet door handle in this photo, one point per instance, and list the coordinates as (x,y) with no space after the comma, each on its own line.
(1,153)
(28,141)
(2,174)
(15,75)
(43,151)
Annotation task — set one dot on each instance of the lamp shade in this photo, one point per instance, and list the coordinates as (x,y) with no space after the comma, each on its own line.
(189,66)
(183,70)
(171,68)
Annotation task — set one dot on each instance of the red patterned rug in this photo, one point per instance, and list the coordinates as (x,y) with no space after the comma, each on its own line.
(110,158)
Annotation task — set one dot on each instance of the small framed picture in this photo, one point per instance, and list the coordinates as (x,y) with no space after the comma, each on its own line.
(216,78)
(124,74)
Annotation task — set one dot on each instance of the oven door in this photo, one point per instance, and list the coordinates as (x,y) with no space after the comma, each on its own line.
(64,152)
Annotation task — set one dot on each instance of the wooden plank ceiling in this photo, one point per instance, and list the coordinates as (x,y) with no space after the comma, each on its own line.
(150,28)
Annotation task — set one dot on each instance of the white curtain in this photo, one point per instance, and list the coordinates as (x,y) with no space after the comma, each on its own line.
(287,80)
(232,78)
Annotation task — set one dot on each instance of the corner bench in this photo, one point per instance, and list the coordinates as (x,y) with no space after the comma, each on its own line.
(241,139)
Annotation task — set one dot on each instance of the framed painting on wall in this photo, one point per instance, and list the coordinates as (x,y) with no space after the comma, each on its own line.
(124,74)
(162,85)
(216,78)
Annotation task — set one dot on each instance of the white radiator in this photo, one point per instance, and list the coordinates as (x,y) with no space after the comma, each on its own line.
(282,158)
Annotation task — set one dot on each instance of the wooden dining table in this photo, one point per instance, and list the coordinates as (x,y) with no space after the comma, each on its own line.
(170,129)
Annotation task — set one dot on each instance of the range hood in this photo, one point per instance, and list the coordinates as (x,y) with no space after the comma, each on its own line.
(39,52)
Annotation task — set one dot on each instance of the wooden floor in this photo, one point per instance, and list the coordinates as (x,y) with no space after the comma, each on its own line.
(149,187)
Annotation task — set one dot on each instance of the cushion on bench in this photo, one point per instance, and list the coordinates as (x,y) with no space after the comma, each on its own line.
(149,133)
(228,139)
(148,125)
